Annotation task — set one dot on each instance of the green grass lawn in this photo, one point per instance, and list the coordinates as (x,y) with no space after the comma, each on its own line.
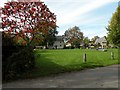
(50,62)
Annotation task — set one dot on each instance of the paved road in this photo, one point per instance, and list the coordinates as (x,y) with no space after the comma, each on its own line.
(104,77)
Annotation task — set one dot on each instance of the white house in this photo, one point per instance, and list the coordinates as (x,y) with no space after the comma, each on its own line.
(102,41)
(68,44)
(59,43)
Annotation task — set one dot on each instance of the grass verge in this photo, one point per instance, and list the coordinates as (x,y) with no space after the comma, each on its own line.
(52,62)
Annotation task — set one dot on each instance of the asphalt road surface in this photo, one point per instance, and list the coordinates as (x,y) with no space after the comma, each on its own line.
(103,77)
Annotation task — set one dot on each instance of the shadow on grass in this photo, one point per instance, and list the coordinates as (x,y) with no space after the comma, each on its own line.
(46,67)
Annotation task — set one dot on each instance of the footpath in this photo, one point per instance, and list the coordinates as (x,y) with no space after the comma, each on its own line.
(103,77)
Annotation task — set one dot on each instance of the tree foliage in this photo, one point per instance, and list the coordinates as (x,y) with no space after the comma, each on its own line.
(50,38)
(31,21)
(95,38)
(86,41)
(28,23)
(114,28)
(73,36)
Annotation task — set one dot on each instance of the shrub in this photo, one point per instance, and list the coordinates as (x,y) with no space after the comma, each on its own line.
(70,47)
(16,60)
(18,63)
(8,46)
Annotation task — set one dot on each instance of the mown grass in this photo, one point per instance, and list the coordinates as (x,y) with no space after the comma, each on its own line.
(50,62)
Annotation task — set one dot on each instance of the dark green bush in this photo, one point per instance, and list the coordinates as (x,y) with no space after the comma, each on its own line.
(19,63)
(8,46)
(70,47)
(16,60)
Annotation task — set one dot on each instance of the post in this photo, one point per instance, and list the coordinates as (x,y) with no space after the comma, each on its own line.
(112,55)
(84,58)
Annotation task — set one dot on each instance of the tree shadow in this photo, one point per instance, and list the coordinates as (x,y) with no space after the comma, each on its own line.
(44,67)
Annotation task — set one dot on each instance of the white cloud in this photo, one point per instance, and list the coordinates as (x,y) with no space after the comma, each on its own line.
(87,25)
(70,13)
(67,17)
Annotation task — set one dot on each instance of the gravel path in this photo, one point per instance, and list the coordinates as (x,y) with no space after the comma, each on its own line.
(104,77)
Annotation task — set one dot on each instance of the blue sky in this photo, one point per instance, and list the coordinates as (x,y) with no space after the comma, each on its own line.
(91,16)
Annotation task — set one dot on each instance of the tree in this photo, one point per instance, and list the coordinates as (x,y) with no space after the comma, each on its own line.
(73,36)
(31,21)
(28,22)
(114,28)
(86,41)
(50,38)
(95,38)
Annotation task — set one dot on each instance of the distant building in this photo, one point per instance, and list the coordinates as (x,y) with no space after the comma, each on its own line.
(91,44)
(68,44)
(59,43)
(102,42)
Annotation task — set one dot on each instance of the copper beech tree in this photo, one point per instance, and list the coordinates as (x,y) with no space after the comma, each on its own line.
(30,21)
(73,36)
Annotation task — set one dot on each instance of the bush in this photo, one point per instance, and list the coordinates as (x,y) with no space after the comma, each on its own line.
(8,46)
(18,63)
(70,47)
(16,60)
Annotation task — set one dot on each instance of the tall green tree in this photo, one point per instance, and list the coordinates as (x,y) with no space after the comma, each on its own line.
(50,38)
(114,28)
(86,41)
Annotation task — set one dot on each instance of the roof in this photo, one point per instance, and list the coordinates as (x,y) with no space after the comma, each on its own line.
(59,38)
(100,40)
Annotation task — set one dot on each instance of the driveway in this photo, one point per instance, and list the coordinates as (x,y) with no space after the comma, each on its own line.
(103,77)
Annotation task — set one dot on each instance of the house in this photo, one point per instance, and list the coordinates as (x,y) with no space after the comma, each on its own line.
(59,42)
(68,44)
(102,42)
(82,44)
(91,44)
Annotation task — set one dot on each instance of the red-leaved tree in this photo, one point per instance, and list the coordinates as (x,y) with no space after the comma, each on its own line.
(30,21)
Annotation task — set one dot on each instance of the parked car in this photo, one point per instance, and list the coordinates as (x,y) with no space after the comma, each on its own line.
(101,49)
